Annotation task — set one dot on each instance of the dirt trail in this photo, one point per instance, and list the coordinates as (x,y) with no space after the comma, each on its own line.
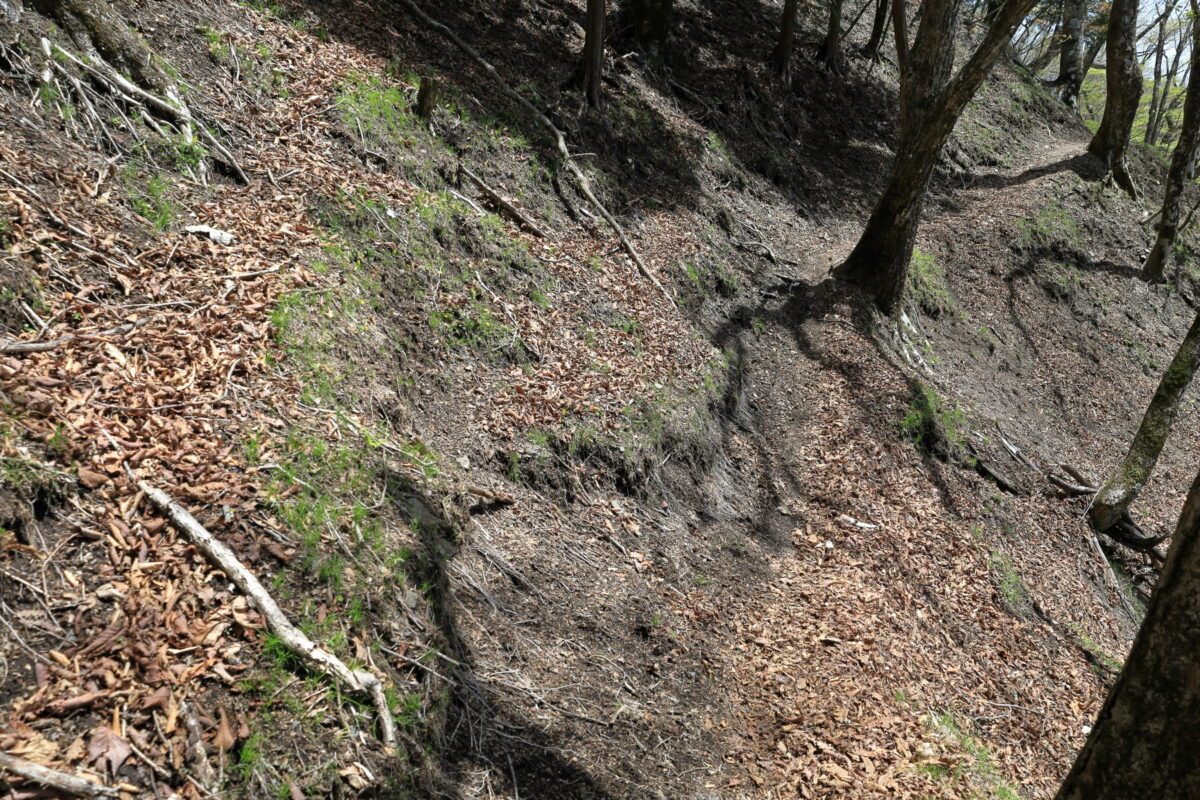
(878,656)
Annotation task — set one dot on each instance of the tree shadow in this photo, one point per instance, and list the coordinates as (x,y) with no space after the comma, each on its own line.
(662,130)
(477,729)
(1085,165)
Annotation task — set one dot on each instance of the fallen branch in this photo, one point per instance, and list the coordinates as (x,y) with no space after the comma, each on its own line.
(1070,488)
(496,198)
(358,681)
(42,347)
(54,779)
(1116,584)
(560,143)
(1015,451)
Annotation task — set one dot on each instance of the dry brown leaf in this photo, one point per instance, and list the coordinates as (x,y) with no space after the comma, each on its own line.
(107,751)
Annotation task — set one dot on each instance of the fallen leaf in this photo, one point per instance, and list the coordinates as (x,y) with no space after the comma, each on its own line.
(107,750)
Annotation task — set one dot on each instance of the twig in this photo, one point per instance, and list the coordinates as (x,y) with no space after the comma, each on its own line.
(560,143)
(358,681)
(54,779)
(496,198)
(42,347)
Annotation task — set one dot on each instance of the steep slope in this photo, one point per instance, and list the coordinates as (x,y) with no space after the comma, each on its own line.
(594,543)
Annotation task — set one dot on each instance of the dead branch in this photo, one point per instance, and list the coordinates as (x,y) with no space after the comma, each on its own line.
(1112,575)
(499,200)
(1015,451)
(1078,475)
(585,186)
(1070,488)
(357,681)
(42,347)
(54,779)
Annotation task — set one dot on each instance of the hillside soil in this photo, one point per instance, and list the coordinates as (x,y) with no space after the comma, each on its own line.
(753,541)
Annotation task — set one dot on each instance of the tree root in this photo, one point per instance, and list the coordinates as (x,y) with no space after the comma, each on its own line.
(585,187)
(357,681)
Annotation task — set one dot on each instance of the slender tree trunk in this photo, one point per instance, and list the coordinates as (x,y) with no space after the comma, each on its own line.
(593,52)
(1070,61)
(1157,84)
(1144,741)
(878,28)
(651,23)
(781,56)
(828,53)
(1166,103)
(930,104)
(1124,82)
(1121,490)
(1181,160)
(1048,51)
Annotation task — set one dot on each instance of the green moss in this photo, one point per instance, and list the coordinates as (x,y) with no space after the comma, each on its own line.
(927,285)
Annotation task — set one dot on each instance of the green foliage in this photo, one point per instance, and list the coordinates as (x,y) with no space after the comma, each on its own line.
(382,109)
(933,423)
(149,198)
(1012,589)
(1052,230)
(974,762)
(927,285)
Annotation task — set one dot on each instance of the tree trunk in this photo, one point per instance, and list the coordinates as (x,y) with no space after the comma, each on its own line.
(593,52)
(651,24)
(1157,90)
(781,56)
(1070,61)
(878,27)
(1118,493)
(1177,176)
(1144,743)
(930,104)
(828,53)
(1124,82)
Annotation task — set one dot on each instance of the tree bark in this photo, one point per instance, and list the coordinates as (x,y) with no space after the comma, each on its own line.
(593,52)
(1122,489)
(828,52)
(651,24)
(878,27)
(1177,176)
(930,104)
(1124,82)
(1143,743)
(99,31)
(1070,61)
(781,56)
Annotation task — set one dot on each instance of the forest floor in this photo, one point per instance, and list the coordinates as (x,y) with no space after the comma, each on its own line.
(596,544)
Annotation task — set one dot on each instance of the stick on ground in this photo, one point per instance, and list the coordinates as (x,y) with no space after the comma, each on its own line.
(499,200)
(358,681)
(53,779)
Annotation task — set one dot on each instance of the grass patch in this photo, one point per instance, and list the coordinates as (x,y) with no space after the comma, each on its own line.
(1052,230)
(933,423)
(149,197)
(1013,592)
(969,760)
